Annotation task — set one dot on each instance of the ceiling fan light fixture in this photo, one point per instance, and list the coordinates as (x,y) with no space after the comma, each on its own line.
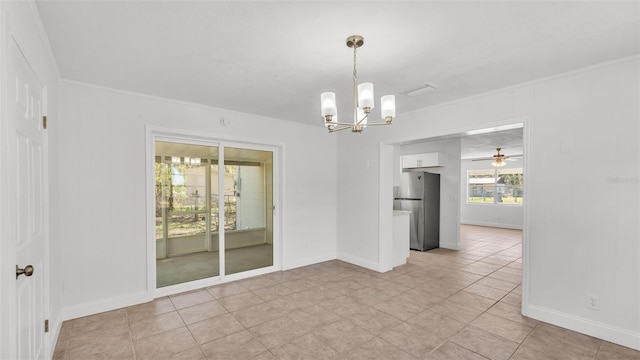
(499,163)
(498,159)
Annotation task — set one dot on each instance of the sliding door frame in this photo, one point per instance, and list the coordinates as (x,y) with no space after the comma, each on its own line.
(154,134)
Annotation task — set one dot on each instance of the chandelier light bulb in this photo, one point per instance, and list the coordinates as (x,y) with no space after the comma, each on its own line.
(365,96)
(388,106)
(328,104)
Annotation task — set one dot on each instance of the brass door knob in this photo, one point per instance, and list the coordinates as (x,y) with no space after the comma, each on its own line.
(27,271)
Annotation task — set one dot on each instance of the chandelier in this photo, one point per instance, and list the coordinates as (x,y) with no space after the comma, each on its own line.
(362,98)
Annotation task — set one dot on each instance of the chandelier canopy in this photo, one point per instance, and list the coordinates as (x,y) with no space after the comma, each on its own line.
(362,98)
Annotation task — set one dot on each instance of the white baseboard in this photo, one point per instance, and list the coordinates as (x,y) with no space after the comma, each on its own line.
(95,307)
(360,262)
(585,326)
(498,225)
(450,245)
(55,324)
(308,261)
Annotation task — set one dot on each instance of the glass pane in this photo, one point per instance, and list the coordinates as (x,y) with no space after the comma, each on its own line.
(481,186)
(186,247)
(230,199)
(509,186)
(248,214)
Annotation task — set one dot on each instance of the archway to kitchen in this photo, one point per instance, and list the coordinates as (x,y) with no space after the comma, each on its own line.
(213,212)
(390,153)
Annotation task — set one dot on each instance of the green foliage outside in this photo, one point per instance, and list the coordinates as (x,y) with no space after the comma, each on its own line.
(187,212)
(489,200)
(507,190)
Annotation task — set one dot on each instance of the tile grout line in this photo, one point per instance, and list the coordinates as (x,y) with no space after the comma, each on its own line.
(348,279)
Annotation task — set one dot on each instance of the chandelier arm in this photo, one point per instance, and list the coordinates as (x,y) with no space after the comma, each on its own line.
(366,116)
(378,123)
(342,123)
(342,128)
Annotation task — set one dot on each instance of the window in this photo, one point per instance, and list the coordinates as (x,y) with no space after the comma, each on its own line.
(495,186)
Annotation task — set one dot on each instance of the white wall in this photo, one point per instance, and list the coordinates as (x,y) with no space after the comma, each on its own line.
(449,184)
(101,184)
(496,215)
(581,217)
(20,20)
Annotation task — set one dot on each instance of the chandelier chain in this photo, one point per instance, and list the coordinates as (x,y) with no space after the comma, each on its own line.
(355,91)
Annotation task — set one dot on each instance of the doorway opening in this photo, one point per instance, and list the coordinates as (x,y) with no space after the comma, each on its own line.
(460,238)
(213,211)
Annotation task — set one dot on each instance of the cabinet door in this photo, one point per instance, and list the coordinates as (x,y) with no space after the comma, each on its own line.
(421,160)
(429,160)
(410,161)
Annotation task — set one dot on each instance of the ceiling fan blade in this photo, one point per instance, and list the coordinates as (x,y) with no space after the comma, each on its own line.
(482,159)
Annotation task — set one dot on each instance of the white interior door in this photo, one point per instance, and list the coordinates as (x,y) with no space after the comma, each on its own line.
(26,146)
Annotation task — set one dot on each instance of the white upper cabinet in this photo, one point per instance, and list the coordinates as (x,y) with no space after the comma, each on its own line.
(421,160)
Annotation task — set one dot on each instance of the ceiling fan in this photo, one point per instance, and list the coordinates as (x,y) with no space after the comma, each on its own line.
(499,159)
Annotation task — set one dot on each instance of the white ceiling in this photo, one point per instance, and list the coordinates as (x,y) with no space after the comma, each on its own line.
(275,58)
(484,145)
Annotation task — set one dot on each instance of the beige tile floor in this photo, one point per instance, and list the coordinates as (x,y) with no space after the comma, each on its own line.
(442,305)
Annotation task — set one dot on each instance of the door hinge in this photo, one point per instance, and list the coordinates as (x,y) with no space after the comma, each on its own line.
(44,122)
(46,326)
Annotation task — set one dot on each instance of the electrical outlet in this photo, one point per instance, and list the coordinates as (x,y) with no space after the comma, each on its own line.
(593,302)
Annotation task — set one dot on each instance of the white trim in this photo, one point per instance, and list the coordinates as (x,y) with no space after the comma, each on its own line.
(186,286)
(185,103)
(526,229)
(150,153)
(217,280)
(55,325)
(308,261)
(44,37)
(46,224)
(222,235)
(375,266)
(385,210)
(489,224)
(7,248)
(524,84)
(95,307)
(499,125)
(450,245)
(585,326)
(386,167)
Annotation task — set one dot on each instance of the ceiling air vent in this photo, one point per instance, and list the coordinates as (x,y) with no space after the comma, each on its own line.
(422,89)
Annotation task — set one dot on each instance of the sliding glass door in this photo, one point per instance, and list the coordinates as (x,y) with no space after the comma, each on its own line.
(202,202)
(249,212)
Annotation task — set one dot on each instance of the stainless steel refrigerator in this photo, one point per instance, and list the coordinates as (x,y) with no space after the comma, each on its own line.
(419,193)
